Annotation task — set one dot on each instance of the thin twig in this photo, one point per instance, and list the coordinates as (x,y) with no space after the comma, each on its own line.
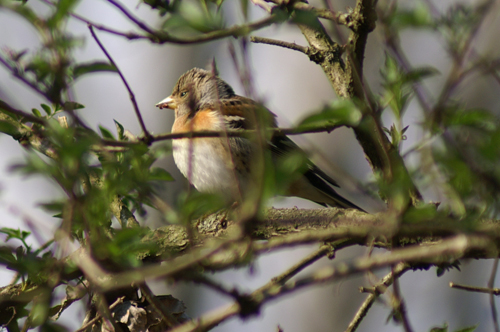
(305,262)
(147,135)
(326,13)
(491,283)
(204,280)
(400,306)
(263,4)
(453,247)
(157,36)
(235,31)
(30,118)
(494,291)
(26,81)
(128,35)
(98,316)
(131,17)
(211,133)
(281,43)
(160,309)
(375,292)
(455,76)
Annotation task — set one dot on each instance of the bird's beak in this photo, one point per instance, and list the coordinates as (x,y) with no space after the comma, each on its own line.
(168,102)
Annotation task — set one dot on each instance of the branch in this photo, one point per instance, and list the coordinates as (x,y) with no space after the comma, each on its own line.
(493,291)
(291,46)
(147,135)
(131,17)
(228,133)
(440,252)
(347,81)
(400,306)
(98,316)
(32,85)
(161,37)
(26,116)
(375,292)
(491,283)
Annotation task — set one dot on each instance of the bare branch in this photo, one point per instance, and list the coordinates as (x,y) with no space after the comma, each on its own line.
(98,316)
(494,291)
(22,78)
(281,43)
(442,251)
(375,292)
(131,17)
(491,284)
(158,306)
(147,135)
(399,305)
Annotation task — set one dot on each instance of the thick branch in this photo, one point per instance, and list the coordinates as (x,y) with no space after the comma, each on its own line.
(347,80)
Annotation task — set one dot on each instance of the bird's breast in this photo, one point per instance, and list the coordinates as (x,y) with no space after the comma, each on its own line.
(207,164)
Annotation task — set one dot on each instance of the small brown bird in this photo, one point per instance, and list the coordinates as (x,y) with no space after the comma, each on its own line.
(202,102)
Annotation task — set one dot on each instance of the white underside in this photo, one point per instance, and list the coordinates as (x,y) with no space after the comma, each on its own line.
(205,168)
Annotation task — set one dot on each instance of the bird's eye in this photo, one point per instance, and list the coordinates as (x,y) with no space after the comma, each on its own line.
(183,93)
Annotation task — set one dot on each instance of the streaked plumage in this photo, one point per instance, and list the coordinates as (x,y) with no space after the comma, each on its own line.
(223,164)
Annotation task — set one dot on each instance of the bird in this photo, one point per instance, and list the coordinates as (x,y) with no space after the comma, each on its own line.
(202,101)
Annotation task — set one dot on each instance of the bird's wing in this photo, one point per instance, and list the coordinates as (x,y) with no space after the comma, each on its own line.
(315,185)
(244,113)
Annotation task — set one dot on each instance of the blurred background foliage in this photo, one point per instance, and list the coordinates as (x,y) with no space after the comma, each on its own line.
(433,67)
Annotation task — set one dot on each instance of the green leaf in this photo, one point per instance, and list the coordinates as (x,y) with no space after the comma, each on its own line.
(444,267)
(420,73)
(193,15)
(468,329)
(71,105)
(440,329)
(306,17)
(339,113)
(8,128)
(120,130)
(476,118)
(159,174)
(417,17)
(14,233)
(47,109)
(106,133)
(55,206)
(63,8)
(6,256)
(36,112)
(93,67)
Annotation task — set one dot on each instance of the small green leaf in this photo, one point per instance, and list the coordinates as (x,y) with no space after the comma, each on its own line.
(120,130)
(36,112)
(6,256)
(440,329)
(14,233)
(417,17)
(339,113)
(468,329)
(476,118)
(93,67)
(52,206)
(418,74)
(106,133)
(71,105)
(306,17)
(159,174)
(47,109)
